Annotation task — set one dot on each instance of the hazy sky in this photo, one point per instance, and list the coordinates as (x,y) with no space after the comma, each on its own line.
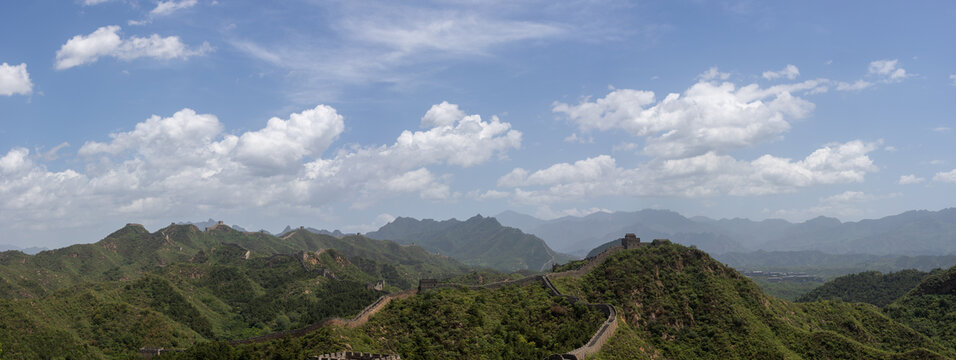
(346,114)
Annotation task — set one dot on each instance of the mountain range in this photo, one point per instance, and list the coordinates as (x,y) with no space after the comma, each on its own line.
(478,241)
(918,232)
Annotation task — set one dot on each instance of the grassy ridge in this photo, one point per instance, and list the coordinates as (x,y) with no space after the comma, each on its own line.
(930,307)
(513,322)
(180,286)
(678,303)
(871,287)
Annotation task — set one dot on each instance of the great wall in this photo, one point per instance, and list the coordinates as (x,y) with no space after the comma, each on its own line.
(593,346)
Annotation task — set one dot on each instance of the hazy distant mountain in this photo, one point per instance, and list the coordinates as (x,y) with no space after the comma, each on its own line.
(518,220)
(579,235)
(210,223)
(335,233)
(480,241)
(30,250)
(911,233)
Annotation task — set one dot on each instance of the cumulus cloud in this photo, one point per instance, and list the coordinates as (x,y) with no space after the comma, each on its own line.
(282,144)
(168,7)
(702,175)
(106,41)
(443,114)
(790,72)
(953,78)
(910,179)
(188,161)
(709,116)
(14,79)
(947,177)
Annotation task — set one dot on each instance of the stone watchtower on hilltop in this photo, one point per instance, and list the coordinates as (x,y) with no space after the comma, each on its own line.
(630,241)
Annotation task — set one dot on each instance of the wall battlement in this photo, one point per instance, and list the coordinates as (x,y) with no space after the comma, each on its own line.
(350,355)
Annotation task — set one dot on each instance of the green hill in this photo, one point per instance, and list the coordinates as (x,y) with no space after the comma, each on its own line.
(673,302)
(132,251)
(930,307)
(179,286)
(478,241)
(678,303)
(511,322)
(871,287)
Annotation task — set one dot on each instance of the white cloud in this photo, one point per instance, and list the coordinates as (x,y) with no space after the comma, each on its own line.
(953,78)
(443,114)
(702,175)
(51,154)
(712,74)
(574,138)
(847,196)
(394,43)
(948,177)
(167,165)
(941,129)
(709,116)
(888,70)
(105,41)
(282,144)
(421,181)
(164,8)
(14,79)
(910,179)
(790,72)
(94,2)
(857,85)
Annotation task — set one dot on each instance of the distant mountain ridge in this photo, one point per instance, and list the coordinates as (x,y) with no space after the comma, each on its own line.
(335,233)
(918,232)
(478,241)
(28,250)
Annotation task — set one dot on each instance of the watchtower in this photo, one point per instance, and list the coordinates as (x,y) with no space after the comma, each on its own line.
(425,284)
(630,241)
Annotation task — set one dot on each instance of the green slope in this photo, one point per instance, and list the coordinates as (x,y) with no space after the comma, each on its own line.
(930,307)
(871,287)
(179,286)
(673,302)
(132,251)
(512,322)
(678,303)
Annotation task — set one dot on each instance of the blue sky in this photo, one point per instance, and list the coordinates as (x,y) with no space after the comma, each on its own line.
(347,114)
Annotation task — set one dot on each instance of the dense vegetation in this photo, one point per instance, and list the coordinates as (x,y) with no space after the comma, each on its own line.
(513,322)
(198,290)
(871,287)
(930,307)
(479,241)
(179,286)
(677,302)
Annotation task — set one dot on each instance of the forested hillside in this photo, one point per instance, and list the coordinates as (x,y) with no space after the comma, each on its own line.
(870,287)
(673,302)
(178,286)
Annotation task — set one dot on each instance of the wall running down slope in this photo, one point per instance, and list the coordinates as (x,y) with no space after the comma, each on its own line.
(593,346)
